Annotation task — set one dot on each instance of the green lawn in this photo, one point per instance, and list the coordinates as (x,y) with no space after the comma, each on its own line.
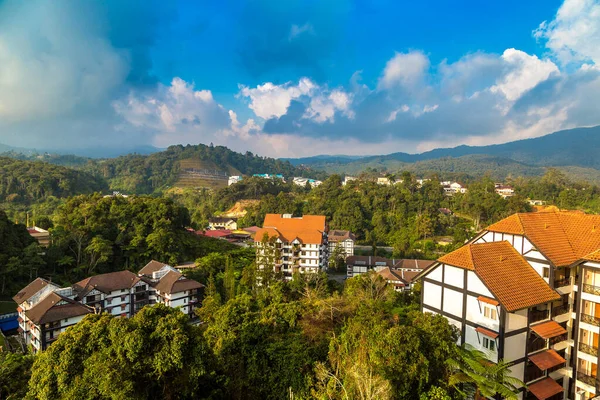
(7,307)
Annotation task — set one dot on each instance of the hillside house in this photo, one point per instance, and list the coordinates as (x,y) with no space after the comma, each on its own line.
(234,179)
(216,223)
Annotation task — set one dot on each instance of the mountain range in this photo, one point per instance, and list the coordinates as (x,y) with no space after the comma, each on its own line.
(574,151)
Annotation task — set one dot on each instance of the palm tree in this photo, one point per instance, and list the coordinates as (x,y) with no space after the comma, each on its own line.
(474,376)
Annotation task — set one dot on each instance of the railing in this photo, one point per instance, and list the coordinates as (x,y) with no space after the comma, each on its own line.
(589,349)
(558,339)
(562,282)
(587,379)
(590,319)
(563,309)
(535,345)
(591,289)
(537,315)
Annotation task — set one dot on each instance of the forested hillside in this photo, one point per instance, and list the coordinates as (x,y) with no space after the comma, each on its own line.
(30,181)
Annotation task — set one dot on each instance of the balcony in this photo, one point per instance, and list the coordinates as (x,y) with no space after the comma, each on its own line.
(562,282)
(558,339)
(560,310)
(591,289)
(535,345)
(537,315)
(588,349)
(587,379)
(590,319)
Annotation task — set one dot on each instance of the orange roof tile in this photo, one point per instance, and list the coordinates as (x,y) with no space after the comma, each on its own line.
(510,278)
(548,329)
(562,236)
(546,359)
(488,300)
(486,332)
(545,388)
(389,275)
(307,229)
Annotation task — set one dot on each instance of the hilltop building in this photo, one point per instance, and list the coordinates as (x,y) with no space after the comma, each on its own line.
(234,179)
(527,290)
(303,181)
(45,309)
(297,244)
(216,223)
(41,235)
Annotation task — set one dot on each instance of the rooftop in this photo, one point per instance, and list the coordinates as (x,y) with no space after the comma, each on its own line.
(510,278)
(151,267)
(307,229)
(54,307)
(564,237)
(107,283)
(31,289)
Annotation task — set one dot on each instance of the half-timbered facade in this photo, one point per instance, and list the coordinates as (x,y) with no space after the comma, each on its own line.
(562,248)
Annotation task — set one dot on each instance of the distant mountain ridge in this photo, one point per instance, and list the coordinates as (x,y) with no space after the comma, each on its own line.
(573,147)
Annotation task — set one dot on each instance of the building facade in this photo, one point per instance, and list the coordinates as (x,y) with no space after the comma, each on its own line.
(344,240)
(560,335)
(45,309)
(290,245)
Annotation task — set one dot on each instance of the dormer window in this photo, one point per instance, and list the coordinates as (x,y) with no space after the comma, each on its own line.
(490,312)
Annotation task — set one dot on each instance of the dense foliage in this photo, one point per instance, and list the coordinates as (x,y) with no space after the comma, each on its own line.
(29,181)
(94,234)
(304,339)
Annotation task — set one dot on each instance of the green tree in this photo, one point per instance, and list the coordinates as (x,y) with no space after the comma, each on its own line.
(473,374)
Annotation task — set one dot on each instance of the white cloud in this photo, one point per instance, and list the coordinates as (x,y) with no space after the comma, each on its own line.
(525,72)
(574,34)
(297,30)
(406,70)
(323,107)
(52,63)
(270,100)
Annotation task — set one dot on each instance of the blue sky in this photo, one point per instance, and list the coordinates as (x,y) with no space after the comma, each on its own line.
(296,78)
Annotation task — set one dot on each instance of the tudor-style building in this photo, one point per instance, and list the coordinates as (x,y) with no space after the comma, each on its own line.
(562,247)
(45,310)
(297,244)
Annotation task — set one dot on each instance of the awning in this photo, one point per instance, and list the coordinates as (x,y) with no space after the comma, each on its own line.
(487,300)
(545,388)
(548,329)
(486,332)
(546,359)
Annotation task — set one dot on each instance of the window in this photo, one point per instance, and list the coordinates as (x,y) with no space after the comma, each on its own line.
(122,307)
(108,301)
(184,301)
(123,298)
(546,272)
(489,344)
(490,312)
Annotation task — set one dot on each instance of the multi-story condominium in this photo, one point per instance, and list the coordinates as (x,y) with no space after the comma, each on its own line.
(536,306)
(120,293)
(343,240)
(295,245)
(168,286)
(45,310)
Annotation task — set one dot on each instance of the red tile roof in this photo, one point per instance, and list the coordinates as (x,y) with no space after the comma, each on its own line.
(510,278)
(174,282)
(562,236)
(307,229)
(54,307)
(107,283)
(151,267)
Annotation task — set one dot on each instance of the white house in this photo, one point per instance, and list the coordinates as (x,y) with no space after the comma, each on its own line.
(348,179)
(227,223)
(299,181)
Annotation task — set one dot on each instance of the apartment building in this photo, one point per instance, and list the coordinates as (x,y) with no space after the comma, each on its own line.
(297,244)
(343,240)
(45,309)
(560,332)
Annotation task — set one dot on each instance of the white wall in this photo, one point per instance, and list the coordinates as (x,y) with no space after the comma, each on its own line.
(474,284)
(435,274)
(516,320)
(514,347)
(454,276)
(453,302)
(432,295)
(475,314)
(472,338)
